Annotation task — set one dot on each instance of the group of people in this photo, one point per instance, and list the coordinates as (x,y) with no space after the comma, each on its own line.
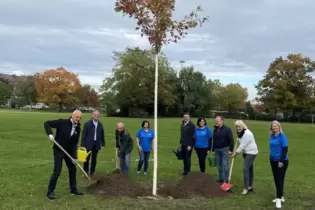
(202,139)
(93,140)
(221,142)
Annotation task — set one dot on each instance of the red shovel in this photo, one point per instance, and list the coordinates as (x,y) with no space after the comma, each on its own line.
(227,186)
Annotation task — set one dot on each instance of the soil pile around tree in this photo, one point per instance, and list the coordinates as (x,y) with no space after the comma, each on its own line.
(193,185)
(117,185)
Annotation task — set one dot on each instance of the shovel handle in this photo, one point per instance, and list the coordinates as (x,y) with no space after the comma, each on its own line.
(116,158)
(77,164)
(232,163)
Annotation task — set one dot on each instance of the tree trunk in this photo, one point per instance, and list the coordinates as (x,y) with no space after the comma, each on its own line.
(30,102)
(60,107)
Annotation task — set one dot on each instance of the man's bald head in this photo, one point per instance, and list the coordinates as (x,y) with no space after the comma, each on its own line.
(120,126)
(76,116)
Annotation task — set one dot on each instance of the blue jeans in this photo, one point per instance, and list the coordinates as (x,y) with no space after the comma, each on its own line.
(222,156)
(144,158)
(125,163)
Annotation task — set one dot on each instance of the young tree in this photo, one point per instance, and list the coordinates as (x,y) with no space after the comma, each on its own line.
(57,86)
(154,19)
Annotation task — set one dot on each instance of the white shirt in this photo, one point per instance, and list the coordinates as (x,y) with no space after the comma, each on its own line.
(247,144)
(73,128)
(95,124)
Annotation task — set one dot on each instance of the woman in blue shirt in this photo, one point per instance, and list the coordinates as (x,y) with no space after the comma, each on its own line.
(203,140)
(145,138)
(279,161)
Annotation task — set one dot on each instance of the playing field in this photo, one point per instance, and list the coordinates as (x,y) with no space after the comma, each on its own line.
(26,166)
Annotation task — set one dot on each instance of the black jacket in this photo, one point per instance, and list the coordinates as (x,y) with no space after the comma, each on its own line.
(124,142)
(187,134)
(223,137)
(88,135)
(63,131)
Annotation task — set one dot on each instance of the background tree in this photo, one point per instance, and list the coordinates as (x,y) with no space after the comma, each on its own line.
(194,92)
(93,98)
(132,82)
(288,84)
(57,86)
(215,86)
(233,97)
(250,110)
(87,96)
(26,90)
(6,90)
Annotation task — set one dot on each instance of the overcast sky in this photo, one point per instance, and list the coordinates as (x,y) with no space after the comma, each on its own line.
(237,45)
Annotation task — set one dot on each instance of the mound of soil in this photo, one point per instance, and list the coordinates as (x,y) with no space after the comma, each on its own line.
(195,184)
(117,185)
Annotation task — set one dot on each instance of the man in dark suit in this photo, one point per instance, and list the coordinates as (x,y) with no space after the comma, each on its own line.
(124,145)
(93,140)
(187,141)
(67,135)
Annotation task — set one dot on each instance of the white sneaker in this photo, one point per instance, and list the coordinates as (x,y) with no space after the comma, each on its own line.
(282,200)
(278,203)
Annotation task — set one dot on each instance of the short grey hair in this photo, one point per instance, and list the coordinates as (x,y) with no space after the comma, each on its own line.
(121,123)
(75,111)
(241,124)
(96,111)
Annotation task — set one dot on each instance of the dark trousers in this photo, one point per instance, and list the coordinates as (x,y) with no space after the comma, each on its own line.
(59,156)
(86,164)
(279,175)
(187,159)
(202,155)
(144,158)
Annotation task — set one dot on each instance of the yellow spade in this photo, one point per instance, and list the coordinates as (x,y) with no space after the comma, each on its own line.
(82,154)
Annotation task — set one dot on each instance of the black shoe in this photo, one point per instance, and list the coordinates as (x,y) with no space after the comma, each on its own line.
(50,196)
(219,181)
(76,192)
(184,173)
(251,190)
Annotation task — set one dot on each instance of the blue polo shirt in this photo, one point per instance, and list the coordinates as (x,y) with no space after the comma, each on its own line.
(276,145)
(145,139)
(202,136)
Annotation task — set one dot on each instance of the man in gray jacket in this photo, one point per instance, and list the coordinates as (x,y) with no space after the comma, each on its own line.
(124,145)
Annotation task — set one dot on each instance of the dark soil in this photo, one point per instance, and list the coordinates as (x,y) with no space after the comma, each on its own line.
(117,185)
(193,185)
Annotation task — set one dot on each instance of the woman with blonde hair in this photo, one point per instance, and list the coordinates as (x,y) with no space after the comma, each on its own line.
(279,161)
(249,148)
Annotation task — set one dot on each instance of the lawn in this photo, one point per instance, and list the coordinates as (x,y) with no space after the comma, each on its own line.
(26,166)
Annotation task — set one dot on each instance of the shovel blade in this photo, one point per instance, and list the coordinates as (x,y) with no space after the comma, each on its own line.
(226,187)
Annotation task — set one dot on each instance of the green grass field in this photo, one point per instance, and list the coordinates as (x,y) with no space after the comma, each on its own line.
(26,166)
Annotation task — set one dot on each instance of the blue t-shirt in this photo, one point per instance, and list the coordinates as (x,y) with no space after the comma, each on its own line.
(276,145)
(145,139)
(202,136)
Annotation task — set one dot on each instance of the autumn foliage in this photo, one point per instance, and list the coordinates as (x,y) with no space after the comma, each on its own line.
(154,19)
(56,86)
